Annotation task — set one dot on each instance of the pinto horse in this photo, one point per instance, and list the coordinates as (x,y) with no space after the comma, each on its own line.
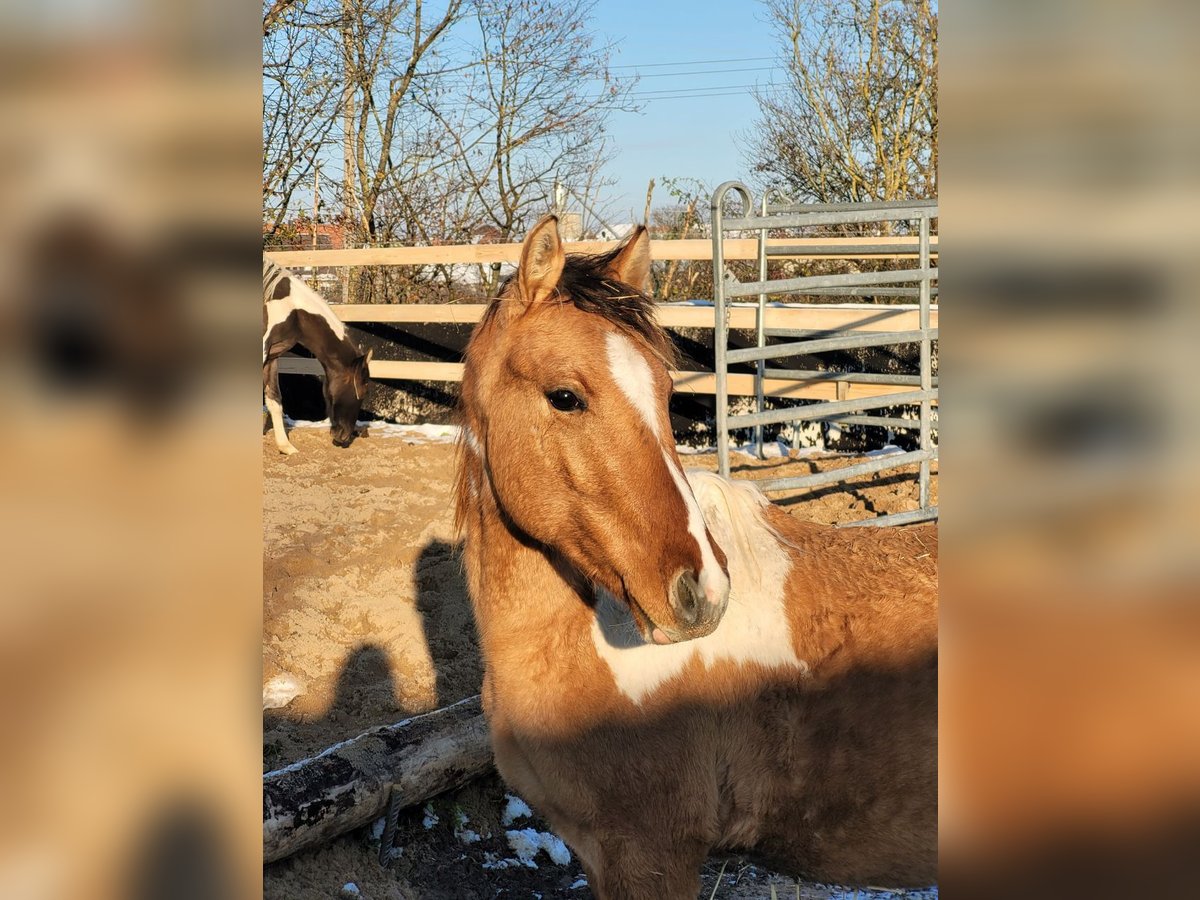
(673,665)
(294,313)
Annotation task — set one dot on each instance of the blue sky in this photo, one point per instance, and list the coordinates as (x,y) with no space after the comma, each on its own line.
(695,137)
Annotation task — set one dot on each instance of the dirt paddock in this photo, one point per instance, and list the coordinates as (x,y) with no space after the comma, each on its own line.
(366,620)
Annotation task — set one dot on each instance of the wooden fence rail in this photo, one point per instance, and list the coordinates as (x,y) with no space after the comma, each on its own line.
(685,382)
(690,249)
(863,317)
(828,317)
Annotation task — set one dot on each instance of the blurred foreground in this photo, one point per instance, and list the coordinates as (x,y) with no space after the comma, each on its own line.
(130,468)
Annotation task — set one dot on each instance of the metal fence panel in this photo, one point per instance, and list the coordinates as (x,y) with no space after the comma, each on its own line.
(726,287)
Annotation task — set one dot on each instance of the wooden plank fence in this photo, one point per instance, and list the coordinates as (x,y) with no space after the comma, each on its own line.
(689,249)
(815,317)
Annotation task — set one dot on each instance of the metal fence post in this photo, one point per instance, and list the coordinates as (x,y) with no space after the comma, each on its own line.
(910,282)
(720,335)
(926,361)
(760,336)
(721,311)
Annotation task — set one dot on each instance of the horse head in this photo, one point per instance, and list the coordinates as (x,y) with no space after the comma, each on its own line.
(566,430)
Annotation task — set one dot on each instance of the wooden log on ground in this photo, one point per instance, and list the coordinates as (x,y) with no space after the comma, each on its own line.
(347,785)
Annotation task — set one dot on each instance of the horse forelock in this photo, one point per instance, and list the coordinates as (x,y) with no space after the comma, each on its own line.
(588,285)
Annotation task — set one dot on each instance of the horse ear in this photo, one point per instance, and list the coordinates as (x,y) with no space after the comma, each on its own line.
(541,261)
(367,356)
(632,262)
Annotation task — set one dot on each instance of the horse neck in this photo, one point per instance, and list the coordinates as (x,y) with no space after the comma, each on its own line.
(335,354)
(534,621)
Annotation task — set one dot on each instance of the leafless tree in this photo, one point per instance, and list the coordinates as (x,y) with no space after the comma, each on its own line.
(445,124)
(390,54)
(532,109)
(300,93)
(857,117)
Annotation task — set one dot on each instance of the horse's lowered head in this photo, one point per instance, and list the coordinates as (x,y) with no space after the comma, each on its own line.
(345,387)
(566,431)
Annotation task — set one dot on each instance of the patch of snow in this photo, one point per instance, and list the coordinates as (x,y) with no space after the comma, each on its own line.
(464,834)
(776,448)
(282,690)
(490,861)
(377,828)
(526,843)
(350,889)
(430,434)
(580,882)
(431,818)
(514,809)
(433,434)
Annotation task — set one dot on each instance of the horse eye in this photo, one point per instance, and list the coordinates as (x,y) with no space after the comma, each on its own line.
(564,400)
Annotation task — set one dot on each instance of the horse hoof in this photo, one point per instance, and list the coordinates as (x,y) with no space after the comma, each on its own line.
(288,450)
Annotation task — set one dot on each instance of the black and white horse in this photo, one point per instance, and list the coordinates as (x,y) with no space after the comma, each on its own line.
(293,314)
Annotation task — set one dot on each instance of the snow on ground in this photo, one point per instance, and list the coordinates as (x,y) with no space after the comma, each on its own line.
(514,809)
(526,843)
(432,434)
(282,690)
(462,832)
(431,817)
(448,434)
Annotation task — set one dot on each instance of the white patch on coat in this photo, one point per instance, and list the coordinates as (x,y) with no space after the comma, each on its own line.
(755,628)
(300,297)
(632,374)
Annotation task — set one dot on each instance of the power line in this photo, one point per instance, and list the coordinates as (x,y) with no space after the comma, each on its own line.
(690,96)
(709,87)
(701,72)
(690,62)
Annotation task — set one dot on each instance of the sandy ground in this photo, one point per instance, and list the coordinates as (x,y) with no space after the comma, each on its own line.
(366,619)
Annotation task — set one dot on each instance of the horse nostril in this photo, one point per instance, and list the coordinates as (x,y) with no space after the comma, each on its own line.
(686,596)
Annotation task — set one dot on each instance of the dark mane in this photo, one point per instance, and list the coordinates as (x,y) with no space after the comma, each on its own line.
(585,282)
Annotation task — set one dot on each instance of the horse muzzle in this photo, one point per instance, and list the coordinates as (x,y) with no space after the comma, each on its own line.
(698,605)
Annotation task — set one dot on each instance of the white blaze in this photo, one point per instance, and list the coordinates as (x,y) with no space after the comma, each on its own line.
(632,374)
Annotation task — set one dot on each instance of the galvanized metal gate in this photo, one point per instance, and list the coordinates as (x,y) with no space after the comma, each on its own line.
(918,283)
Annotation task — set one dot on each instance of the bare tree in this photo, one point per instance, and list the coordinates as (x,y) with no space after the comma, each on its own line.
(299,107)
(385,44)
(857,118)
(683,219)
(532,109)
(444,125)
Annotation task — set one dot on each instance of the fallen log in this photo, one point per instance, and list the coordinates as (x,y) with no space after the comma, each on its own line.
(348,785)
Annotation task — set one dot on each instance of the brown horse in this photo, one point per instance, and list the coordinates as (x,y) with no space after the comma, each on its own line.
(674,665)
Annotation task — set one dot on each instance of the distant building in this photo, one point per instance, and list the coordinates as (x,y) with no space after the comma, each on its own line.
(298,235)
(616,233)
